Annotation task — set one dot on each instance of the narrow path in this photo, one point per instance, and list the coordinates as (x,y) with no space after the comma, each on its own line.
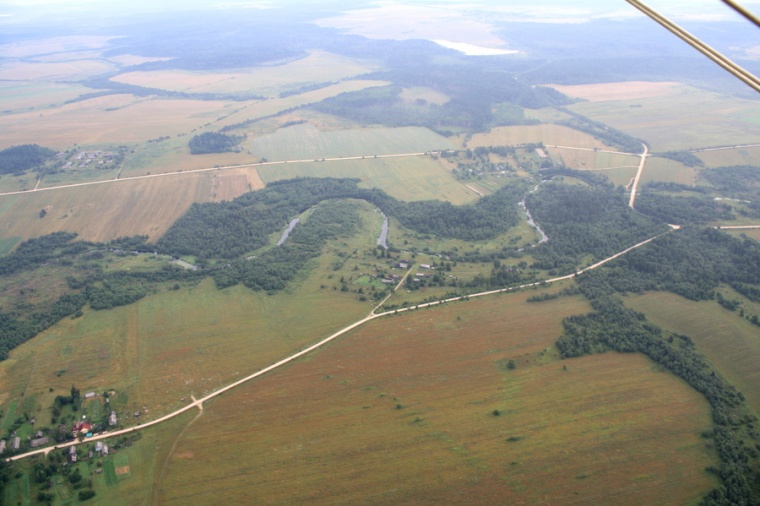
(737,227)
(198,403)
(638,176)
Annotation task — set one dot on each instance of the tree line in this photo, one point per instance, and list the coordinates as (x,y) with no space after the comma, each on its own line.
(19,159)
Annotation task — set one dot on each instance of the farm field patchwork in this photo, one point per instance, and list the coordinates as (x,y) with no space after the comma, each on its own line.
(113,118)
(435,390)
(317,67)
(731,343)
(18,96)
(689,119)
(663,169)
(54,71)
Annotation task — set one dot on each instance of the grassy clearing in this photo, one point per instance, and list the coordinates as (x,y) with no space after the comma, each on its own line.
(6,245)
(307,142)
(429,95)
(546,133)
(692,118)
(406,178)
(731,343)
(728,157)
(662,169)
(420,391)
(317,67)
(18,96)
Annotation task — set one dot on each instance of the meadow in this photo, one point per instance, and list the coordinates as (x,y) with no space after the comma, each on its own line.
(434,389)
(305,141)
(317,67)
(406,178)
(689,119)
(547,133)
(662,169)
(728,341)
(605,92)
(728,157)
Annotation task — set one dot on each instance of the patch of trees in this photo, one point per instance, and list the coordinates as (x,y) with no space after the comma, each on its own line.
(273,269)
(682,210)
(214,142)
(685,157)
(479,98)
(690,262)
(231,229)
(740,181)
(35,252)
(19,159)
(669,186)
(582,222)
(113,87)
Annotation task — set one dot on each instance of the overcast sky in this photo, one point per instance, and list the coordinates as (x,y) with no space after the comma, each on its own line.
(538,10)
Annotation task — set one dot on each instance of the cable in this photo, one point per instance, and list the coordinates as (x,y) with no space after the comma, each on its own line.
(741,10)
(741,73)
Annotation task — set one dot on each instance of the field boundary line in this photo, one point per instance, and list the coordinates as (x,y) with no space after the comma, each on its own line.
(309,349)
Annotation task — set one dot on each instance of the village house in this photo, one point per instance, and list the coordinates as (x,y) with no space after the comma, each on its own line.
(403,265)
(16,443)
(72,454)
(112,418)
(89,395)
(81,427)
(39,442)
(2,445)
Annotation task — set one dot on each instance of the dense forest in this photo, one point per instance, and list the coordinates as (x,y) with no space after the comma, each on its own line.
(19,159)
(582,221)
(238,227)
(214,142)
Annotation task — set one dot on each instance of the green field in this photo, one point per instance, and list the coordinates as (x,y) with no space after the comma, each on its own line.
(728,157)
(662,169)
(731,343)
(690,118)
(304,142)
(406,178)
(424,387)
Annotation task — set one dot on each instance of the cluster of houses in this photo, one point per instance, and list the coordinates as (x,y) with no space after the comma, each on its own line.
(101,450)
(15,443)
(85,158)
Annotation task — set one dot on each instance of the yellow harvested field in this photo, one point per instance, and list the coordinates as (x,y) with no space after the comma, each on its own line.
(60,71)
(603,92)
(114,209)
(109,119)
(256,110)
(53,45)
(429,95)
(546,133)
(318,67)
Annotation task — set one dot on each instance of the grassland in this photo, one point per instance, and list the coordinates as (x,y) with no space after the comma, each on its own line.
(728,157)
(317,67)
(19,96)
(730,342)
(546,133)
(406,178)
(423,388)
(54,71)
(307,142)
(691,118)
(662,169)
